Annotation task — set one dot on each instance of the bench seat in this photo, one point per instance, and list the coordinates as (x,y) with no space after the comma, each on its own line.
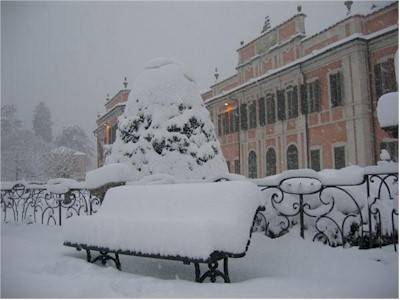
(194,222)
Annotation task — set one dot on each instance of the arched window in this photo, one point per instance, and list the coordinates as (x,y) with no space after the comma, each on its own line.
(271,162)
(292,157)
(252,165)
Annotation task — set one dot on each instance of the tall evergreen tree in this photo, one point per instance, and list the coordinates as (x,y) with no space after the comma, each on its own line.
(42,124)
(166,128)
(74,137)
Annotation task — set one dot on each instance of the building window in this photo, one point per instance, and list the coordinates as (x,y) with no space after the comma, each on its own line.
(336,88)
(292,102)
(224,124)
(313,96)
(243,116)
(315,156)
(228,122)
(339,156)
(237,166)
(292,157)
(252,165)
(271,162)
(261,111)
(235,119)
(280,97)
(253,115)
(271,115)
(220,125)
(392,148)
(228,163)
(385,77)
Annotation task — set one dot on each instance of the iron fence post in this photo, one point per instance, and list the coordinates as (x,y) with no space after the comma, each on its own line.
(59,212)
(301,216)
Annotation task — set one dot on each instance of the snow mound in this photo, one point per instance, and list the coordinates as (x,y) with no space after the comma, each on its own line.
(191,220)
(63,185)
(388,110)
(166,129)
(108,174)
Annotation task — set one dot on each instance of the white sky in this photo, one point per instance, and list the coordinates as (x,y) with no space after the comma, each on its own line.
(71,54)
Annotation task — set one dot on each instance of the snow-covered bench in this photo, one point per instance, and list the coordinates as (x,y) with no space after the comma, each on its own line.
(193,223)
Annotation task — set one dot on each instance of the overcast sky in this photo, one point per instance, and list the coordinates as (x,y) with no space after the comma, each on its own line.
(71,54)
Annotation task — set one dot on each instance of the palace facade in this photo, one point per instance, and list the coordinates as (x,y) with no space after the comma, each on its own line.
(107,123)
(300,101)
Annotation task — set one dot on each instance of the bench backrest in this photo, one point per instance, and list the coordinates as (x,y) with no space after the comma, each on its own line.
(189,220)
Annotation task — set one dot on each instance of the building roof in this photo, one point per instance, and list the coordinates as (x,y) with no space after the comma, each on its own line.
(305,58)
(304,38)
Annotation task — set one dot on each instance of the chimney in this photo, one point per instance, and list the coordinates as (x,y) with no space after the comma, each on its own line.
(267,24)
(125,83)
(216,74)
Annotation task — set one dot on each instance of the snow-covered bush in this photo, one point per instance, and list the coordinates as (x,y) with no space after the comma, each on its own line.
(166,128)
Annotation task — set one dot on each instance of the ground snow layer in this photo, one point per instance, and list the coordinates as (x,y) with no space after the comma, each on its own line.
(36,265)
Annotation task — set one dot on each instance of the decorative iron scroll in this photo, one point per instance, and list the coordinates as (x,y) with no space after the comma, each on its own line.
(345,215)
(23,204)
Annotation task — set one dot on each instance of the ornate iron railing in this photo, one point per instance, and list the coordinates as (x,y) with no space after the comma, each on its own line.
(363,214)
(26,204)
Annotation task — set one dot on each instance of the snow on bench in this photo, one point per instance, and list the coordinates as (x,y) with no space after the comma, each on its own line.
(196,222)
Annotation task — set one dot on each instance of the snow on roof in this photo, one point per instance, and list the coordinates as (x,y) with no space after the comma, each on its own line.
(189,220)
(388,110)
(313,54)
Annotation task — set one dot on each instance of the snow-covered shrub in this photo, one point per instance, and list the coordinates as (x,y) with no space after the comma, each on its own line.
(166,128)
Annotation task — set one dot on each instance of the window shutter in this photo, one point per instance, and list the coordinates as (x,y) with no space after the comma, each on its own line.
(219,125)
(340,91)
(303,98)
(273,112)
(317,95)
(391,76)
(333,89)
(281,104)
(378,81)
(236,119)
(295,102)
(243,116)
(261,111)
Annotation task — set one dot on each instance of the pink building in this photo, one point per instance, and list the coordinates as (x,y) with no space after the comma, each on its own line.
(299,101)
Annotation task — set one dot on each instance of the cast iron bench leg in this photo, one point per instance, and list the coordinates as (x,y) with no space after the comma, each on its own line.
(213,272)
(117,262)
(226,271)
(88,256)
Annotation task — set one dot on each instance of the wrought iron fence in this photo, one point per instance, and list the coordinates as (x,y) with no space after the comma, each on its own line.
(363,214)
(26,204)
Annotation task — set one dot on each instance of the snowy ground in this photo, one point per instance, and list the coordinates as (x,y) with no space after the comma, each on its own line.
(36,265)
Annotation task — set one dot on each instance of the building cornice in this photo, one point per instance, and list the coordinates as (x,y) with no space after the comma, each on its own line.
(312,55)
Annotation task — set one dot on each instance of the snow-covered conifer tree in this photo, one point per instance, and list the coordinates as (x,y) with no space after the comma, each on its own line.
(42,124)
(166,128)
